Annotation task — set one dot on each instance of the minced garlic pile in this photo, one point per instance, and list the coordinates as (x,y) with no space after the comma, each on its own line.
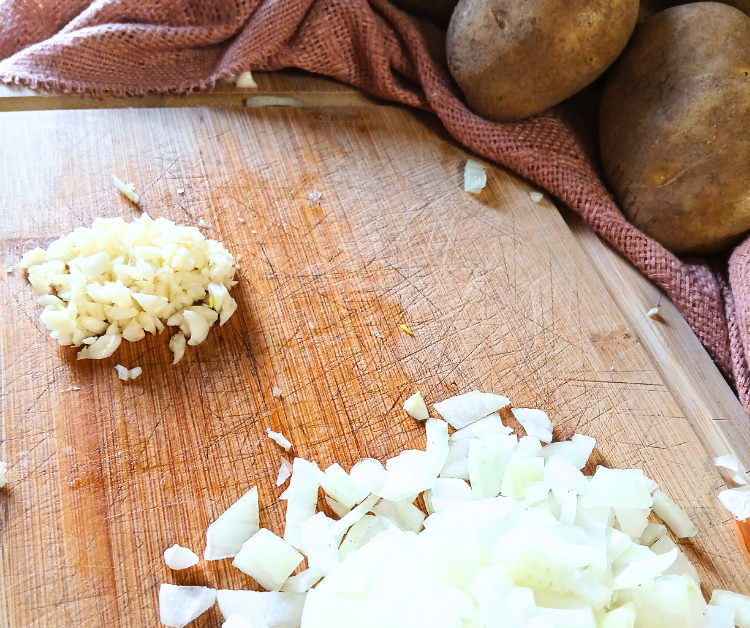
(118,280)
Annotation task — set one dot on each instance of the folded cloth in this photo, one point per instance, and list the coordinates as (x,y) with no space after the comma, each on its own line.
(128,47)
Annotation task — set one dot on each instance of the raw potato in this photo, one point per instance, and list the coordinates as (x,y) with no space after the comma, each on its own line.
(650,8)
(674,125)
(515,59)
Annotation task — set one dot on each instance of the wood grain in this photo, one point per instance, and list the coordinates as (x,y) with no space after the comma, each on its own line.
(714,411)
(297,88)
(496,288)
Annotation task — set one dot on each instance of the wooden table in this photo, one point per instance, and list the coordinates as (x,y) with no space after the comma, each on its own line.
(503,294)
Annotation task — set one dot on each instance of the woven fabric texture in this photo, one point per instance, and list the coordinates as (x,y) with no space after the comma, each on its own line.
(129,47)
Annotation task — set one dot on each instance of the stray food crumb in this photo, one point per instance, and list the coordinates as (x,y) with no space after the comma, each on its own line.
(406,329)
(3,471)
(253,231)
(180,190)
(536,196)
(475,177)
(127,374)
(242,220)
(655,314)
(71,388)
(128,189)
(315,196)
(279,439)
(310,325)
(276,391)
(245,80)
(377,334)
(202,223)
(285,471)
(10,270)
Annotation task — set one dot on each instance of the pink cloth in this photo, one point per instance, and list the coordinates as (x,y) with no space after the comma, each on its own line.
(129,47)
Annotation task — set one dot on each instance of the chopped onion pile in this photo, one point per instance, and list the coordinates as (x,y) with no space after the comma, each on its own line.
(530,541)
(118,280)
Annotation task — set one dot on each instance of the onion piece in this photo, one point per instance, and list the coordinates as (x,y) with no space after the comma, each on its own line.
(737,502)
(328,610)
(491,424)
(681,566)
(178,557)
(720,617)
(237,621)
(632,521)
(740,604)
(239,522)
(403,514)
(457,461)
(561,475)
(529,447)
(3,473)
(319,544)
(267,558)
(302,497)
(339,509)
(285,471)
(414,471)
(640,572)
(337,484)
(415,407)
(178,606)
(652,533)
(303,581)
(623,488)
(354,515)
(675,517)
(621,617)
(369,475)
(519,474)
(447,491)
(577,450)
(535,422)
(488,458)
(731,462)
(461,410)
(270,610)
(361,533)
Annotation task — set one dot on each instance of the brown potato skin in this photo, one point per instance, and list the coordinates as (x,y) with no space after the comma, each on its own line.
(515,58)
(674,128)
(652,7)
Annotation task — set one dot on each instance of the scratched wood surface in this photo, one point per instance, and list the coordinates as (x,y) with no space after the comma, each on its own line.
(497,289)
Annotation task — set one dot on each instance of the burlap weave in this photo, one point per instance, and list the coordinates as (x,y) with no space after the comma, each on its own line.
(134,46)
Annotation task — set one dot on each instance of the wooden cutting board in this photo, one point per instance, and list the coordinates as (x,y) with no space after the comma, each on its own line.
(499,291)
